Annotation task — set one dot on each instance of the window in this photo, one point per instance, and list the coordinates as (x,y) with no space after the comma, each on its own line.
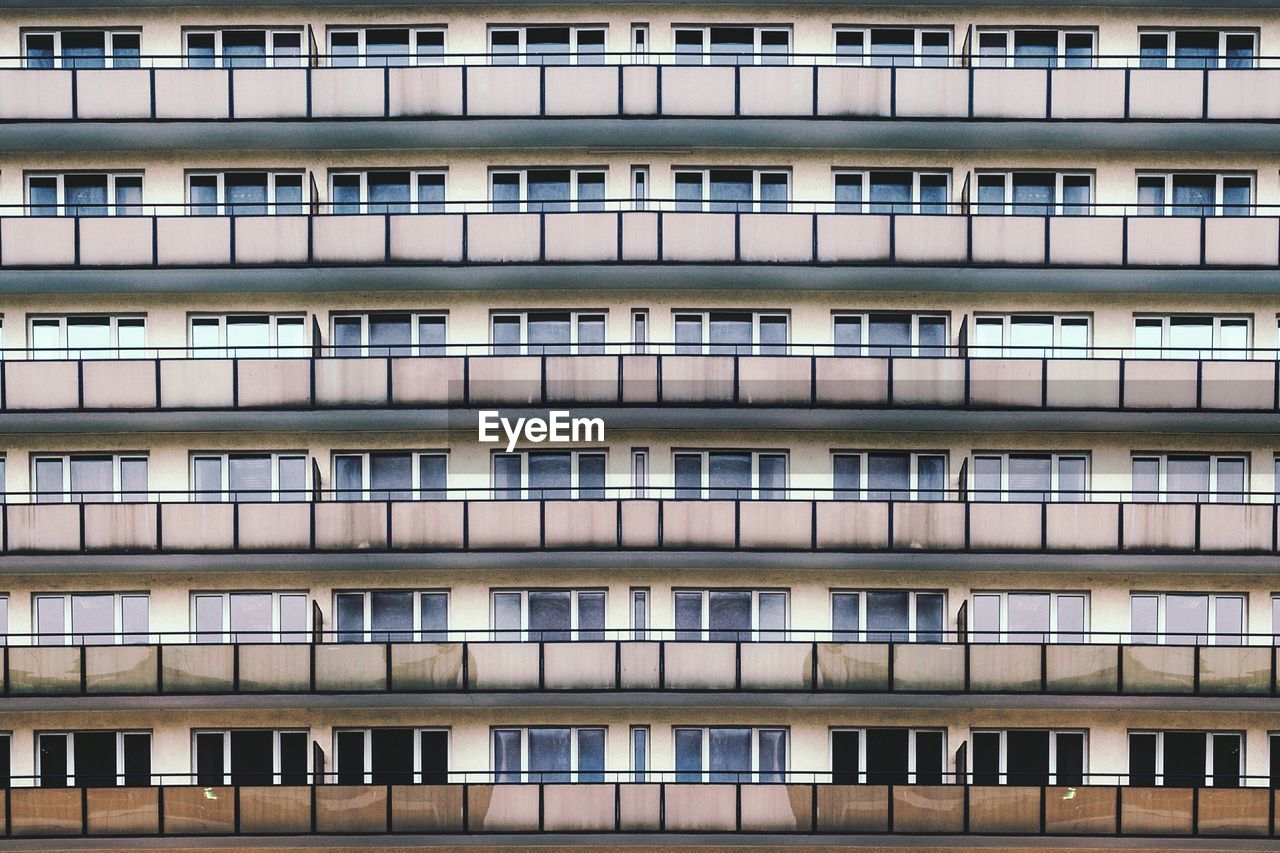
(81,48)
(549,475)
(888,756)
(733,190)
(1189,478)
(1030,617)
(555,45)
(385,191)
(547,332)
(640,330)
(250,757)
(6,760)
(248,336)
(1035,757)
(1195,194)
(1183,619)
(639,753)
(730,45)
(91,619)
(1030,477)
(548,754)
(88,336)
(1186,759)
(85,194)
(893,46)
(244,193)
(731,754)
(639,613)
(386,756)
(731,615)
(250,617)
(1035,193)
(93,759)
(546,190)
(887,616)
(1191,337)
(731,475)
(897,191)
(548,615)
(391,616)
(731,332)
(640,187)
(391,476)
(1030,336)
(89,478)
(248,477)
(639,472)
(877,475)
(639,43)
(389,334)
(377,47)
(4,619)
(1197,48)
(890,334)
(1036,48)
(243,48)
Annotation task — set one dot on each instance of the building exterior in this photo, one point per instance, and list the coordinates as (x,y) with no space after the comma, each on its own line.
(935,348)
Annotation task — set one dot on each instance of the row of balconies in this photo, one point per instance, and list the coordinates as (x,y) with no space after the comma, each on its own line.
(796,525)
(631,236)
(640,665)
(647,90)
(608,807)
(805,381)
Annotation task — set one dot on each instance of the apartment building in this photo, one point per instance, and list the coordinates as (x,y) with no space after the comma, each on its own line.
(936,349)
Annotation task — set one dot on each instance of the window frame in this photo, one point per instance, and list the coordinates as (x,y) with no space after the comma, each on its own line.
(1163,633)
(524,774)
(524,632)
(60,59)
(1008,59)
(70,735)
(574,204)
(864,632)
(865,205)
(754,774)
(576,316)
(914,491)
(68,637)
(525,490)
(1008,207)
(1168,207)
(225,634)
(365,205)
(758,56)
(64,348)
(1216,350)
(757,204)
(522,56)
(756,490)
(68,493)
(222,207)
(756,633)
(917,58)
(1212,492)
(361,56)
(277,772)
(756,347)
(415,345)
(416,595)
(1004,495)
(61,206)
(1004,633)
(1007,349)
(270,58)
(367,492)
(1159,752)
(225,456)
(1003,733)
(912,767)
(367,731)
(224,348)
(1170,58)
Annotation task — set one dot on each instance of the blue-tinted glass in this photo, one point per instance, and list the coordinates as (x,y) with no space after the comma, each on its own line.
(1193,195)
(590,47)
(933,194)
(506,476)
(848,193)
(549,475)
(1240,52)
(244,48)
(729,475)
(591,476)
(773,193)
(506,192)
(930,480)
(388,192)
(1196,50)
(845,617)
(893,47)
(432,477)
(548,189)
(1153,49)
(730,332)
(888,476)
(991,195)
(349,477)
(386,47)
(431,194)
(391,616)
(431,336)
(688,755)
(730,190)
(847,472)
(346,194)
(929,618)
(848,335)
(350,618)
(390,476)
(506,755)
(126,50)
(204,195)
(344,49)
(688,476)
(730,754)
(1033,194)
(591,755)
(1035,49)
(773,476)
(732,45)
(434,617)
(891,192)
(549,755)
(39,52)
(246,194)
(346,337)
(689,191)
(688,47)
(389,334)
(288,195)
(590,191)
(86,195)
(547,45)
(504,45)
(887,617)
(83,49)
(1236,196)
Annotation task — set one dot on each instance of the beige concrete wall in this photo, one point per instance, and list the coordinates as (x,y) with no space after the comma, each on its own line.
(809,746)
(812,27)
(1111,315)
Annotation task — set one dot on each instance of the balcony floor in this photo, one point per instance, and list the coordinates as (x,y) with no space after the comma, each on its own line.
(729,417)
(313,562)
(630,133)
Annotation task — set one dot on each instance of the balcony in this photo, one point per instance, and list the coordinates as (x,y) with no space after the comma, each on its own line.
(458,102)
(814,663)
(645,808)
(642,386)
(806,244)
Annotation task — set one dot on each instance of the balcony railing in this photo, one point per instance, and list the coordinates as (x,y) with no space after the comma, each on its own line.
(640,375)
(795,661)
(398,520)
(623,84)
(650,231)
(1092,810)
